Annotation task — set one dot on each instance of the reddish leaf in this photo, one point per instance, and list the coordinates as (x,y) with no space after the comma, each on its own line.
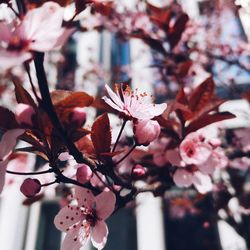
(38,3)
(181,97)
(202,95)
(176,31)
(111,154)
(246,96)
(32,139)
(101,134)
(183,68)
(85,145)
(105,8)
(7,119)
(22,96)
(65,101)
(208,119)
(78,134)
(69,99)
(160,16)
(211,106)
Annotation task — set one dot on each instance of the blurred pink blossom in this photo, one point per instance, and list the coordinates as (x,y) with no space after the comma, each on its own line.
(39,30)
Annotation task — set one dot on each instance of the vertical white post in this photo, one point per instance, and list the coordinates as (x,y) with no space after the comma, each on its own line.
(12,220)
(149,220)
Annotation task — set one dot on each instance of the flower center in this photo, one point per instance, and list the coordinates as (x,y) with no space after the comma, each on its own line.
(17,44)
(92,218)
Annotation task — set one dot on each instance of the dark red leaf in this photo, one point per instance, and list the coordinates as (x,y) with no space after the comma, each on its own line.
(69,99)
(101,134)
(22,96)
(202,95)
(211,106)
(7,119)
(183,68)
(160,16)
(208,119)
(176,31)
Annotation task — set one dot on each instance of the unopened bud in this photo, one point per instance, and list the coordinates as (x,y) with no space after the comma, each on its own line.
(24,114)
(138,171)
(83,173)
(30,187)
(146,131)
(78,116)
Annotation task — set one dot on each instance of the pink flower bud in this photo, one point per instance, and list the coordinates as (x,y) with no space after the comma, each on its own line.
(78,116)
(30,187)
(83,173)
(146,131)
(24,114)
(159,159)
(138,171)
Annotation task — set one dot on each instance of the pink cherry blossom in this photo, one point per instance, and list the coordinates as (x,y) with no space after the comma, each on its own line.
(185,178)
(132,104)
(86,219)
(138,171)
(24,114)
(39,30)
(8,141)
(83,173)
(194,150)
(216,160)
(173,156)
(146,131)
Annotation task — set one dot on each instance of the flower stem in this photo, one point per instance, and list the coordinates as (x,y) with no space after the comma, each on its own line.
(119,135)
(49,183)
(27,68)
(126,155)
(14,11)
(29,173)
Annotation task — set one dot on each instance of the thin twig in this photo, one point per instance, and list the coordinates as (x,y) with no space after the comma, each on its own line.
(29,173)
(126,155)
(119,135)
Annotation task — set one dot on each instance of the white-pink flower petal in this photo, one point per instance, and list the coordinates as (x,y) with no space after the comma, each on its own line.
(43,26)
(8,141)
(202,182)
(183,178)
(99,235)
(133,105)
(105,204)
(84,197)
(67,217)
(75,239)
